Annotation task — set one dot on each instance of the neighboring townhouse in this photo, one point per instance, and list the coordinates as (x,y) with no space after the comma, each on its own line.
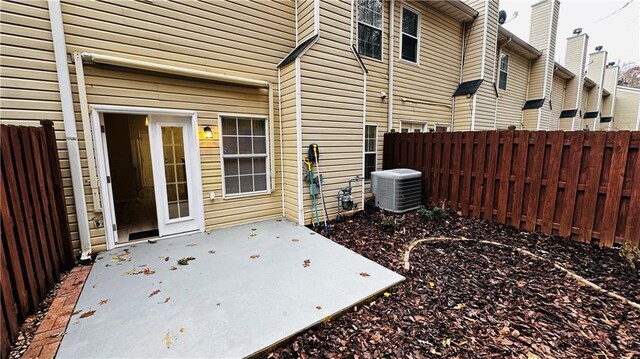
(174,117)
(627,109)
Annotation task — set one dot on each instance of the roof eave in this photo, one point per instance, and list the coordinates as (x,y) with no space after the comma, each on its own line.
(517,45)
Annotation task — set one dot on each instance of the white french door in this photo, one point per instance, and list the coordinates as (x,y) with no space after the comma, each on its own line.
(174,161)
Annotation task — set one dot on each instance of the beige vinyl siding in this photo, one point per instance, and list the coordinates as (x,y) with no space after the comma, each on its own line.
(462,113)
(575,62)
(486,95)
(539,38)
(306,19)
(557,94)
(595,72)
(377,80)
(511,100)
(627,109)
(436,76)
(223,37)
(332,105)
(473,54)
(610,84)
(583,108)
(291,161)
(29,81)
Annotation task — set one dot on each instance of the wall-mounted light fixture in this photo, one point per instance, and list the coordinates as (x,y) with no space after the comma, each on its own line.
(208,133)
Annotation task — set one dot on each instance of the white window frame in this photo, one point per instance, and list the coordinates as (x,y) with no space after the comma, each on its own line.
(358,22)
(424,125)
(267,158)
(417,12)
(374,152)
(436,125)
(505,55)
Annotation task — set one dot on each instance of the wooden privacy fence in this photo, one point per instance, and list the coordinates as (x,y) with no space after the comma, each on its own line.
(36,244)
(581,185)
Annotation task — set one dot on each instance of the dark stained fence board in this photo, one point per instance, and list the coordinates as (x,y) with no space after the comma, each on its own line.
(614,187)
(36,242)
(505,176)
(520,171)
(551,191)
(576,184)
(535,179)
(479,173)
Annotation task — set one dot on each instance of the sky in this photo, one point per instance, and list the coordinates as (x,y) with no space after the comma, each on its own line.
(618,33)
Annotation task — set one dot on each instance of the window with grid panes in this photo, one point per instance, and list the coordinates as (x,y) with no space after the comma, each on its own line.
(370,28)
(245,155)
(370,142)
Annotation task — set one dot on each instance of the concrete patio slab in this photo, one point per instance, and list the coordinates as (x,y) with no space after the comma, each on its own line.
(248,288)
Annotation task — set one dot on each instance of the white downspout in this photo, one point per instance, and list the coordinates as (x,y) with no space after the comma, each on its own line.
(284,214)
(392,5)
(272,142)
(71,133)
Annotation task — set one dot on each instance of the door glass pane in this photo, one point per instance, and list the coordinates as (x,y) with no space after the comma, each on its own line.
(175,172)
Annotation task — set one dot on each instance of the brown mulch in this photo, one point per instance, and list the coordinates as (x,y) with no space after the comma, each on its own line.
(468,300)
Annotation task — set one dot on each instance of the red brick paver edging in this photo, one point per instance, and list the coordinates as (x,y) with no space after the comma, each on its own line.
(48,336)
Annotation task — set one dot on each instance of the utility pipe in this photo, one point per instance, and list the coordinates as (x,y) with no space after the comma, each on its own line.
(392,5)
(71,133)
(272,149)
(86,128)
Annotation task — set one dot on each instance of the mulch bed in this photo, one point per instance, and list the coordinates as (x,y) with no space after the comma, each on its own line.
(467,299)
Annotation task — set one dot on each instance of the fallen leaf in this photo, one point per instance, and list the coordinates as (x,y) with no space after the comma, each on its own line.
(255,256)
(185,261)
(168,341)
(182,330)
(306,263)
(387,294)
(93,286)
(212,252)
(530,355)
(173,268)
(318,307)
(166,300)
(295,240)
(432,284)
(254,229)
(252,235)
(365,274)
(166,259)
(312,233)
(103,301)
(132,272)
(460,306)
(192,245)
(148,271)
(87,314)
(154,293)
(76,312)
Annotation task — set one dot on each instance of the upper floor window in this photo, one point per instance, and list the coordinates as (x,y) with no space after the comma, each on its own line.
(504,71)
(410,41)
(370,28)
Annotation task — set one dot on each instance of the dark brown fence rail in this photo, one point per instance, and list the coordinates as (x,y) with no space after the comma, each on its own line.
(581,185)
(36,244)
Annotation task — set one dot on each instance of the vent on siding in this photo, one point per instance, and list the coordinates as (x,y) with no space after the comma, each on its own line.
(398,190)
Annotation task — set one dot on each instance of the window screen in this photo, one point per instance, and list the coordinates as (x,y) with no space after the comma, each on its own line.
(244,154)
(410,43)
(370,28)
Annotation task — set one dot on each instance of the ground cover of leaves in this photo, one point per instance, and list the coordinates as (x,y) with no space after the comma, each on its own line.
(469,300)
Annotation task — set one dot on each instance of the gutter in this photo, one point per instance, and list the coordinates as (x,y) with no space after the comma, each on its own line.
(71,133)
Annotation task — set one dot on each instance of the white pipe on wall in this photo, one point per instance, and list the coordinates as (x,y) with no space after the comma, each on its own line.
(71,133)
(392,5)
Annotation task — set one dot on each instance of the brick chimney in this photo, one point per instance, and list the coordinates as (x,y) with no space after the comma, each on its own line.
(575,62)
(543,30)
(595,71)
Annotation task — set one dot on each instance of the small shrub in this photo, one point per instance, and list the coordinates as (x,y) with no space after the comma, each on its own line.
(631,254)
(391,224)
(431,214)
